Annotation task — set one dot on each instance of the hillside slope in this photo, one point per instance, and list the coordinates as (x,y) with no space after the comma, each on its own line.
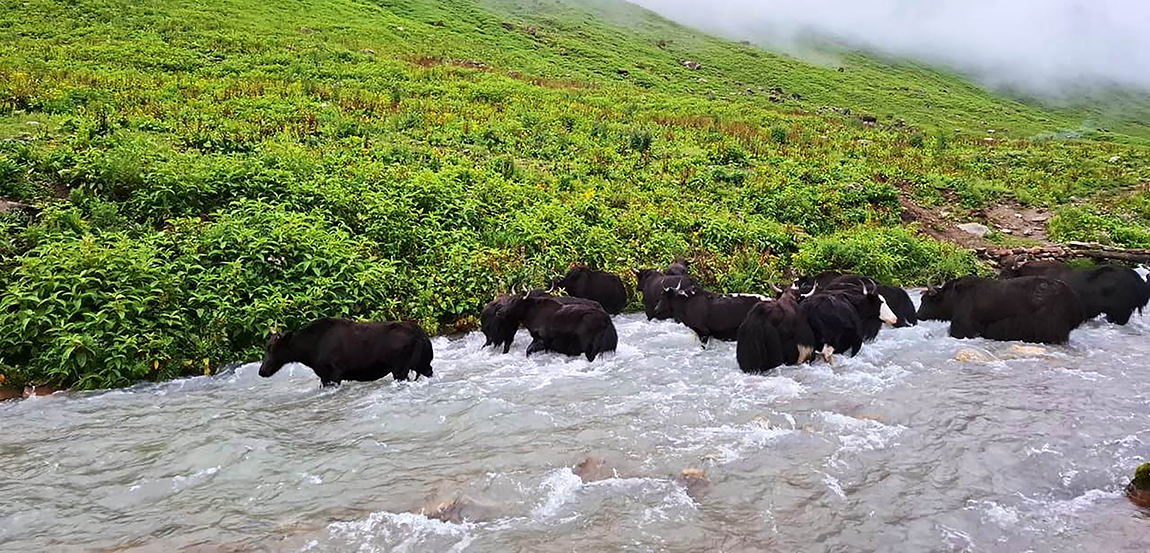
(196,174)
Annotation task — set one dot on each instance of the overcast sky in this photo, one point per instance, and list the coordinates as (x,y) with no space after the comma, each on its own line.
(1056,48)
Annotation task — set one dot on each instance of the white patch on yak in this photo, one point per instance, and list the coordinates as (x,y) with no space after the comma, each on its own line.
(805,353)
(885,313)
(828,354)
(1143,271)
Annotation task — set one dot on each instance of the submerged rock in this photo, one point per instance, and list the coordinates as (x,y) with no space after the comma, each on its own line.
(1139,488)
(695,480)
(1017,351)
(593,469)
(461,508)
(973,356)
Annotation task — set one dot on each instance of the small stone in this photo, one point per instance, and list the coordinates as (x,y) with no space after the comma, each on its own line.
(1113,159)
(1005,230)
(690,64)
(975,229)
(33,123)
(367,51)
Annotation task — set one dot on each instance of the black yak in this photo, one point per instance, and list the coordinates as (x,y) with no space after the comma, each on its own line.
(774,333)
(571,326)
(1030,309)
(339,349)
(605,288)
(1107,289)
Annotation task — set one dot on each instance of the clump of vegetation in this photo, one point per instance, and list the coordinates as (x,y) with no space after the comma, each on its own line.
(204,175)
(894,256)
(1084,224)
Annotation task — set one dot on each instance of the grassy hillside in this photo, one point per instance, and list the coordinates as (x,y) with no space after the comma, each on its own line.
(204,172)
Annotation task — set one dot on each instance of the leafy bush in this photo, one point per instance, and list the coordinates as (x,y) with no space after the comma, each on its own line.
(94,311)
(895,256)
(1086,225)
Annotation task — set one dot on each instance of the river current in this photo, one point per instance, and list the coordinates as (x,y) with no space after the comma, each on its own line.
(921,443)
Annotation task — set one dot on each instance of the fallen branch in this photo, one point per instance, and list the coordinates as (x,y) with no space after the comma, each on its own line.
(1014,257)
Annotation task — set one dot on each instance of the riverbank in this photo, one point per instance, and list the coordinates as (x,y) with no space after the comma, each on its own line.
(201,175)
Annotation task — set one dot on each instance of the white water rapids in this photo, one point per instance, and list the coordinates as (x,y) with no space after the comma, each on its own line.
(921,443)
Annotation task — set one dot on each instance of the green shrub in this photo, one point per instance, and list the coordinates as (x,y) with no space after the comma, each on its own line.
(94,311)
(779,134)
(895,256)
(1086,225)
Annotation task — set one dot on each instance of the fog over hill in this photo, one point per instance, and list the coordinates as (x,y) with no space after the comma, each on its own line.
(1049,48)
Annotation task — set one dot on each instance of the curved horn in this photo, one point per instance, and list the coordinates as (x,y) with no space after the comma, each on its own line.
(776,289)
(812,292)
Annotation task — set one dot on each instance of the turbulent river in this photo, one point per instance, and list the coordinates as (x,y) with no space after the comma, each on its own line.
(921,443)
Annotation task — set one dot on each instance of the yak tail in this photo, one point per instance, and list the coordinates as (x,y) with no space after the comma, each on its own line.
(759,348)
(607,340)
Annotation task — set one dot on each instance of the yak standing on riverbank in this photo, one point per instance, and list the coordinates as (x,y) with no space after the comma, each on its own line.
(339,349)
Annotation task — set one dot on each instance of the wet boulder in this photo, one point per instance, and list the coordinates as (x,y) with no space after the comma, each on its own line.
(1139,488)
(968,355)
(695,481)
(593,469)
(461,508)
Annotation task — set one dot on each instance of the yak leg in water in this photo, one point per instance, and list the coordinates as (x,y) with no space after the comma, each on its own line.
(828,354)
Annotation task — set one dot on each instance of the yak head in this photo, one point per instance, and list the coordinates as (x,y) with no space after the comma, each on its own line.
(643,276)
(277,352)
(574,277)
(1143,271)
(938,304)
(499,321)
(885,313)
(678,267)
(672,295)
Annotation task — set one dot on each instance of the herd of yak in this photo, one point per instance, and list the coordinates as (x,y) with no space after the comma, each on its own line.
(816,317)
